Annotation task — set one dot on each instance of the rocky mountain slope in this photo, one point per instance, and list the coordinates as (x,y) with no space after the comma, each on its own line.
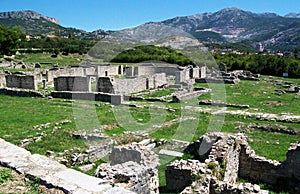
(233,25)
(27,14)
(34,23)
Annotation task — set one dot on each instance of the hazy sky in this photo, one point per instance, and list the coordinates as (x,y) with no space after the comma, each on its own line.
(118,14)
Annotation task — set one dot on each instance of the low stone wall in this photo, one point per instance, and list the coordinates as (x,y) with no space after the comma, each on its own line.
(97,96)
(20,93)
(222,104)
(178,97)
(217,80)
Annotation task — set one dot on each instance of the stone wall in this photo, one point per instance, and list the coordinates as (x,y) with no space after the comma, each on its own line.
(149,69)
(182,76)
(104,97)
(146,70)
(57,72)
(168,70)
(180,174)
(127,86)
(2,81)
(72,83)
(20,93)
(133,167)
(285,175)
(195,72)
(230,157)
(21,81)
(203,71)
(157,80)
(109,70)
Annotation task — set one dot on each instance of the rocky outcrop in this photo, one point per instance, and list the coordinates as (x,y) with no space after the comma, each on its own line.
(28,14)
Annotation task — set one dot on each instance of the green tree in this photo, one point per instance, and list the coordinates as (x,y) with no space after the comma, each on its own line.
(9,40)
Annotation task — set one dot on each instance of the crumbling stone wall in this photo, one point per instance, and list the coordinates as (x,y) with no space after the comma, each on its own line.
(285,175)
(21,81)
(232,158)
(133,167)
(74,83)
(180,174)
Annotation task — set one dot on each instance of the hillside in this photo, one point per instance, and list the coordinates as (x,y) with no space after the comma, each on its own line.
(232,25)
(34,23)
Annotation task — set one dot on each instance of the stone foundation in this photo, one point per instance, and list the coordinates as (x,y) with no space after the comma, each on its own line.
(227,157)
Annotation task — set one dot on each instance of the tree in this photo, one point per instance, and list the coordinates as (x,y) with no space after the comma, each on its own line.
(8,40)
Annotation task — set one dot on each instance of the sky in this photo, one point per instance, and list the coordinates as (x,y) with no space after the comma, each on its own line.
(91,15)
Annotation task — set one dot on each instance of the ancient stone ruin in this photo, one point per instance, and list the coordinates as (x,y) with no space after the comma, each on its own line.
(222,158)
(133,167)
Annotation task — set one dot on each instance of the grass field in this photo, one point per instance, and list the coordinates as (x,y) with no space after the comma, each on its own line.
(19,116)
(260,96)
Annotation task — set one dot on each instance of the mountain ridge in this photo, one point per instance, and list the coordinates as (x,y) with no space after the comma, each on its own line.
(27,14)
(229,25)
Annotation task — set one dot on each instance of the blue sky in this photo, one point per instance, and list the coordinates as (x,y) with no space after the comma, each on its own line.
(118,14)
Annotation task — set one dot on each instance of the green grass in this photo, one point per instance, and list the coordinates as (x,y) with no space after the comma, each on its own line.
(258,95)
(72,59)
(265,144)
(6,175)
(19,115)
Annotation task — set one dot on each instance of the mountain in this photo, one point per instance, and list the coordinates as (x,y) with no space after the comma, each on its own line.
(230,25)
(27,14)
(35,23)
(292,15)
